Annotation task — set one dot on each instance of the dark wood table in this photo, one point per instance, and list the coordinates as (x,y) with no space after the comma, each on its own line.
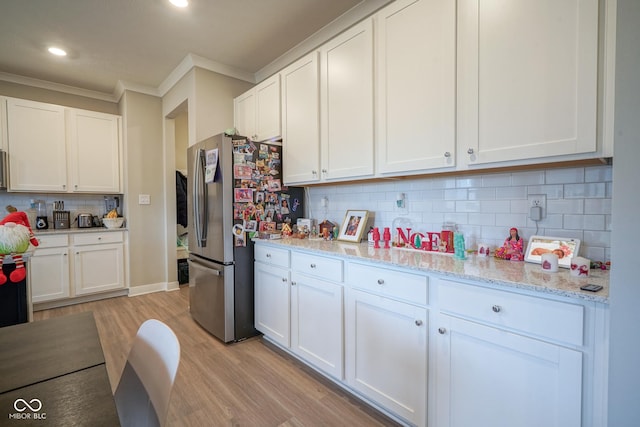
(55,369)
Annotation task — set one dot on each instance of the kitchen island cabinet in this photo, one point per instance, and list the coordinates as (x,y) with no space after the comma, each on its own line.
(431,340)
(58,149)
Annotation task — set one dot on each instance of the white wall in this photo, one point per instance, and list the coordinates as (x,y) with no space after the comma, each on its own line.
(485,206)
(624,366)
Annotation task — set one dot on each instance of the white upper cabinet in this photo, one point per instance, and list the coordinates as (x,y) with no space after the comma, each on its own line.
(415,86)
(301,120)
(58,149)
(346,104)
(527,79)
(94,151)
(36,139)
(257,111)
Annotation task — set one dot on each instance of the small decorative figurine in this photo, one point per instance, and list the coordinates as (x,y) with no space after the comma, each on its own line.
(15,236)
(386,236)
(512,247)
(376,237)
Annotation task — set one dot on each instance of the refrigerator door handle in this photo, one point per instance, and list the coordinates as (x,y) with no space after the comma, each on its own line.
(211,268)
(200,196)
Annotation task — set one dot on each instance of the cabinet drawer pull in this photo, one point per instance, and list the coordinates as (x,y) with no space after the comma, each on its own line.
(312,265)
(418,322)
(496,308)
(380,281)
(442,331)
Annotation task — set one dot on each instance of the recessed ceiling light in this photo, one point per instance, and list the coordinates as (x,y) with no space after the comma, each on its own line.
(57,51)
(180,3)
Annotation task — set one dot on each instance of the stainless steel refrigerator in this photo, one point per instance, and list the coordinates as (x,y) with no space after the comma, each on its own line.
(234,189)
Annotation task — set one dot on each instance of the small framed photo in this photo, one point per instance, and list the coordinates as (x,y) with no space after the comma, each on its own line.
(353,226)
(565,248)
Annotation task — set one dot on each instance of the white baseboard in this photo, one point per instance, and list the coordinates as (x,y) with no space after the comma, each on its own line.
(153,287)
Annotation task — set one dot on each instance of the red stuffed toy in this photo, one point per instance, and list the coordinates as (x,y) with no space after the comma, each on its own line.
(15,236)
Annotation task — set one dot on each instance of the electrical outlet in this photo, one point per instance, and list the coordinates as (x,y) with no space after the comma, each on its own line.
(537,201)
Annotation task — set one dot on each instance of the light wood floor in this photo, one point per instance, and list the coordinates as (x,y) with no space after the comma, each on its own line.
(244,384)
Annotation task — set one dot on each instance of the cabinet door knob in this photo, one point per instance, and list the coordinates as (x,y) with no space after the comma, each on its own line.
(284,279)
(324,171)
(447,154)
(314,173)
(268,255)
(418,322)
(470,151)
(442,331)
(380,282)
(293,283)
(312,266)
(496,308)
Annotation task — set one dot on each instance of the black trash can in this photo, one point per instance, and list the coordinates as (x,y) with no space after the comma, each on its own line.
(183,271)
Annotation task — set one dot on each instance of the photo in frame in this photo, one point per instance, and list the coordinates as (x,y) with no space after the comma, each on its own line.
(353,226)
(566,248)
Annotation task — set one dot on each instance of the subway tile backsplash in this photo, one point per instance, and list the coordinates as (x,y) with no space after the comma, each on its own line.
(485,206)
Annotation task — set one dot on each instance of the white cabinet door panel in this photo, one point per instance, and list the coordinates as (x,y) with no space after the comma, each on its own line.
(98,268)
(272,303)
(416,59)
(301,120)
(347,104)
(527,79)
(486,376)
(49,274)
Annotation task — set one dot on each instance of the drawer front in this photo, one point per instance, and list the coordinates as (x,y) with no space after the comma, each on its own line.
(397,284)
(318,266)
(98,238)
(271,255)
(538,316)
(52,240)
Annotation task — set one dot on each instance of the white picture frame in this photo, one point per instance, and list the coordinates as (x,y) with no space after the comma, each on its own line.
(565,247)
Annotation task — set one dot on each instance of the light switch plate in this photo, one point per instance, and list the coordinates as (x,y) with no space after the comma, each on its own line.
(144,199)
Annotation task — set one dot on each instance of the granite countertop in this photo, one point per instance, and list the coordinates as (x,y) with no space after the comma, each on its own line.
(516,274)
(74,230)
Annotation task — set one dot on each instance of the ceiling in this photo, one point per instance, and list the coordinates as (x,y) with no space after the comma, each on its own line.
(141,42)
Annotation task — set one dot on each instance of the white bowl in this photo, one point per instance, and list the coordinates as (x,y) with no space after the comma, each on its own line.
(113,222)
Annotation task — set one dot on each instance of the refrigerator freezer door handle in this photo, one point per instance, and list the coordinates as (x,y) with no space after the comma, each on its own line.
(211,268)
(200,208)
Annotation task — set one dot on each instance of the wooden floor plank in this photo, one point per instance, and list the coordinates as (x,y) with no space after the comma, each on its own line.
(251,383)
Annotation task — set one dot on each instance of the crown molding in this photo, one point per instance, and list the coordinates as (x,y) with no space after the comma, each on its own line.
(351,17)
(43,84)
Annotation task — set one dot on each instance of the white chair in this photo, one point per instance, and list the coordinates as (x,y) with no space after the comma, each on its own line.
(142,395)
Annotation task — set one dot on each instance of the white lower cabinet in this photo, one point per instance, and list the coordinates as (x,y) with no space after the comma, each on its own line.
(76,264)
(272,302)
(430,350)
(490,372)
(98,262)
(386,357)
(49,269)
(317,322)
(487,376)
(386,339)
